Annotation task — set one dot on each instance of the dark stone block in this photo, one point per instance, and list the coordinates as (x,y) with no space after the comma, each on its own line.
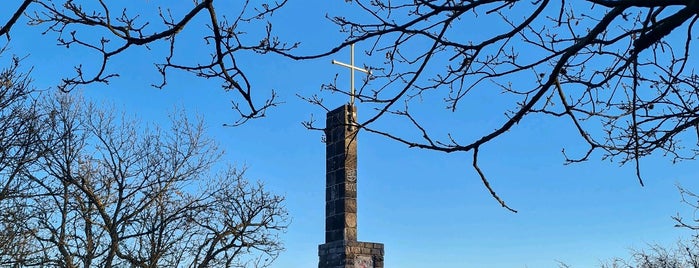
(331,223)
(329,165)
(333,236)
(341,189)
(339,175)
(330,209)
(339,206)
(334,192)
(338,222)
(332,176)
(328,224)
(337,149)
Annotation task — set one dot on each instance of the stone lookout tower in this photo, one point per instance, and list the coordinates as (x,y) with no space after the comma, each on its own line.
(341,248)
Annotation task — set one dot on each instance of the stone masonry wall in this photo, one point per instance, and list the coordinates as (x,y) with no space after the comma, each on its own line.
(351,254)
(341,175)
(341,248)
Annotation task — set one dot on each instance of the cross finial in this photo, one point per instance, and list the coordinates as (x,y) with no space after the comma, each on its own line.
(352,68)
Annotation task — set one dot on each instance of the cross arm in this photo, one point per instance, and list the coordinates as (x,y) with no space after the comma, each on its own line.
(351,67)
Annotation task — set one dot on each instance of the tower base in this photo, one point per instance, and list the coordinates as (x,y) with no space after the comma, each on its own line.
(350,254)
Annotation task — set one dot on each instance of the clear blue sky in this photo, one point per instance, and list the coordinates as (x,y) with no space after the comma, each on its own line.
(429,209)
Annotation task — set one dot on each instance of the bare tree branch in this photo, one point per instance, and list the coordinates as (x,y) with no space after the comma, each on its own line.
(105,193)
(615,68)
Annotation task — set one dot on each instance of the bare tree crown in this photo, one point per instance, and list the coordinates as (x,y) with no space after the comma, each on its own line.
(98,190)
(619,72)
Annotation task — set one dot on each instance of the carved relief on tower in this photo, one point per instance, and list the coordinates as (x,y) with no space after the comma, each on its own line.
(363,261)
(351,175)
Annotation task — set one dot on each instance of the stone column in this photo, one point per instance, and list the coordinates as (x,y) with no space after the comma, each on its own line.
(341,248)
(341,175)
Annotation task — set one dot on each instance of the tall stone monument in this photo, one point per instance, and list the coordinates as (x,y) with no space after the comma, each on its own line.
(341,248)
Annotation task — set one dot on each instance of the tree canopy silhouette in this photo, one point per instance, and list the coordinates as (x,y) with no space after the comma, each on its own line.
(111,28)
(619,71)
(82,187)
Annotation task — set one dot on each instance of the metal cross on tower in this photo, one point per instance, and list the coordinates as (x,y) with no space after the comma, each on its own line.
(352,68)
